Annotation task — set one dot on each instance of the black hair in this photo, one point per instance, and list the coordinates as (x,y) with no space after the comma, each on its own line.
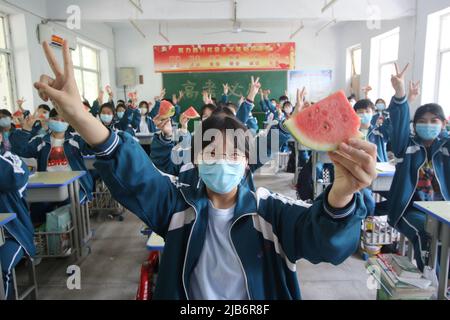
(45,107)
(231,105)
(221,120)
(433,108)
(109,106)
(286,103)
(273,99)
(209,106)
(223,109)
(380,101)
(120,101)
(283,98)
(5,112)
(120,105)
(352,96)
(53,113)
(364,104)
(143,103)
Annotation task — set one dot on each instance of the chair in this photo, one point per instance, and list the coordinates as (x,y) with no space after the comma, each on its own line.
(30,289)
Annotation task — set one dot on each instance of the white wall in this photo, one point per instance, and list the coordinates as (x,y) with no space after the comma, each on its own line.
(353,33)
(29,59)
(132,50)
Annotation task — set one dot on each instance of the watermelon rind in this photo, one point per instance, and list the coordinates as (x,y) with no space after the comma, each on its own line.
(192,116)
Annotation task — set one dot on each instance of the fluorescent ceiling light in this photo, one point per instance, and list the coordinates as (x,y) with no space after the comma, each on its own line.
(328,5)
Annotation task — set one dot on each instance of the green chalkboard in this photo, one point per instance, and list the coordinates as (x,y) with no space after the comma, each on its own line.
(194,83)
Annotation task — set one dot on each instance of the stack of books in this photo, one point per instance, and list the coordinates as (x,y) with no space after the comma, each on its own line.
(400,279)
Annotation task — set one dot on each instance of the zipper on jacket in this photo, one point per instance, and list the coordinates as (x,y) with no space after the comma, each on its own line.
(415,186)
(239,259)
(189,241)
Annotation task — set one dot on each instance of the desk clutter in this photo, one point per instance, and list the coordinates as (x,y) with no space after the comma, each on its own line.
(399,279)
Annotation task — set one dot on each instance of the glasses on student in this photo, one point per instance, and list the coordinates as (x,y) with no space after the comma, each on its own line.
(214,156)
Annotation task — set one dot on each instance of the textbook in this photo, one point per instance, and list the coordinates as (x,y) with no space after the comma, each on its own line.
(404,268)
(397,288)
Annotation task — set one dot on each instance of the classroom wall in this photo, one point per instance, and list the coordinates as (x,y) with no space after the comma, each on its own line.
(353,33)
(132,50)
(29,59)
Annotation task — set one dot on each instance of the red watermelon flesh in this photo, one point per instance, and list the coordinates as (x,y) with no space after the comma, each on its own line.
(191,113)
(326,124)
(166,110)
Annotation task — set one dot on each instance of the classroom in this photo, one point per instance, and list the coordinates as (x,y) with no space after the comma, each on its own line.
(224,150)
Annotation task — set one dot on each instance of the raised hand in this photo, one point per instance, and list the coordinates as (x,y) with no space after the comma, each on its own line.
(184,122)
(398,81)
(109,92)
(174,99)
(62,90)
(101,95)
(366,91)
(164,125)
(28,122)
(414,91)
(181,95)
(20,103)
(300,105)
(226,89)
(355,169)
(255,85)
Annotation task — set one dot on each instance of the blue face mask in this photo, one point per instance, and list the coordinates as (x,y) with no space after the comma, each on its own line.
(6,135)
(5,122)
(221,177)
(428,132)
(58,126)
(380,106)
(106,118)
(120,114)
(365,118)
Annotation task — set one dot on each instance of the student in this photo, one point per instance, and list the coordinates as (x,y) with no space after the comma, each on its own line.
(377,133)
(59,150)
(260,235)
(128,118)
(287,110)
(146,124)
(6,128)
(268,106)
(423,166)
(40,127)
(19,232)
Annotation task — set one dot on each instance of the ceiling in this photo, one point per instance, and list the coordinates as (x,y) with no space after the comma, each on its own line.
(219,13)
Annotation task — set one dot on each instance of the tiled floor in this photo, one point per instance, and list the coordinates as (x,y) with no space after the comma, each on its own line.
(111,271)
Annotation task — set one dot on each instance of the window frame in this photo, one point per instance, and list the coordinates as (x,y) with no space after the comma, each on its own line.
(352,58)
(380,65)
(9,54)
(83,69)
(440,53)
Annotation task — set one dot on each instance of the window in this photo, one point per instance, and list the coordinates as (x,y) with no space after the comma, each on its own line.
(6,75)
(87,71)
(356,60)
(384,55)
(443,92)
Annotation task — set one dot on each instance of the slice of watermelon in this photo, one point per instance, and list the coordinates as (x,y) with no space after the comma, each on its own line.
(326,124)
(191,113)
(166,110)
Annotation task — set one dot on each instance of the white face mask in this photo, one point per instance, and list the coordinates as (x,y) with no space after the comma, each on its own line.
(144,111)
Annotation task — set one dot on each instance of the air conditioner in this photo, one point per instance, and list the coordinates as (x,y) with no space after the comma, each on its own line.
(55,35)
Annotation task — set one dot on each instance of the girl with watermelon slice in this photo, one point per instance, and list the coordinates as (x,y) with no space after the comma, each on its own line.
(259,235)
(423,164)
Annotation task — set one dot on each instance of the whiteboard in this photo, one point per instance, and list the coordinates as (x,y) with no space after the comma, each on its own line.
(318,83)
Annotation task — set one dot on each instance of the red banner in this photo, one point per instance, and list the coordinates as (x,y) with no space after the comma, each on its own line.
(225,57)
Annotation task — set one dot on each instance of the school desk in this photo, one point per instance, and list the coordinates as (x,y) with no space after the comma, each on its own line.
(155,243)
(438,225)
(58,187)
(145,139)
(383,182)
(4,219)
